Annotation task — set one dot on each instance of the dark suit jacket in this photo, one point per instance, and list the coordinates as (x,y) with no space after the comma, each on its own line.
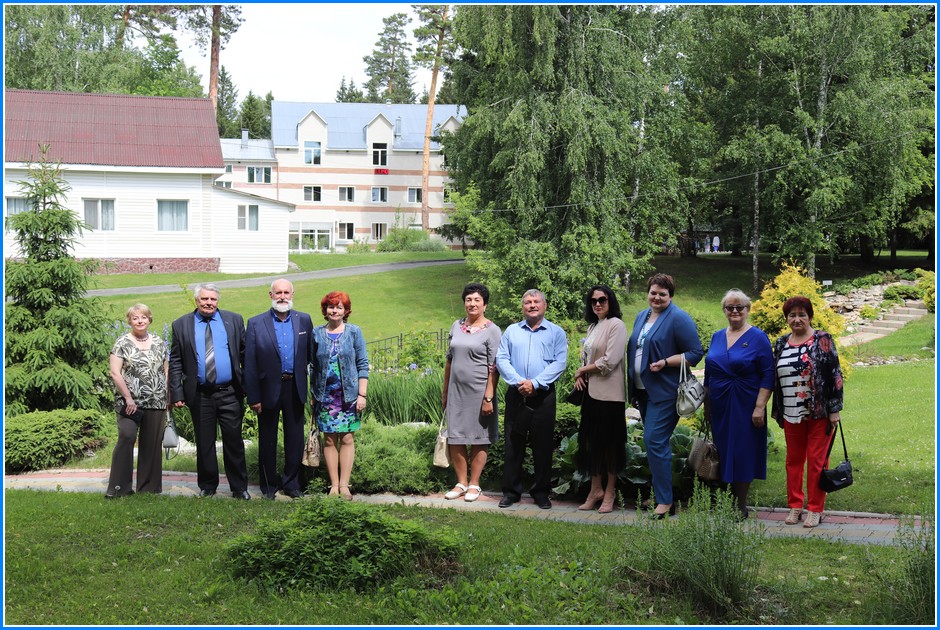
(183,359)
(262,376)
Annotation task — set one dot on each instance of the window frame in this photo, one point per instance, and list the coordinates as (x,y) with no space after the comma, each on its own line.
(244,217)
(99,222)
(346,231)
(383,194)
(350,197)
(265,174)
(315,193)
(313,152)
(379,154)
(418,194)
(379,231)
(186,216)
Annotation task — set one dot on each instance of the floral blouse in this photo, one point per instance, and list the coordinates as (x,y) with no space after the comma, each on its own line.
(143,371)
(825,377)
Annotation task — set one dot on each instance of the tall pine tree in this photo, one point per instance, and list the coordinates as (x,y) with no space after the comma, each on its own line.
(389,66)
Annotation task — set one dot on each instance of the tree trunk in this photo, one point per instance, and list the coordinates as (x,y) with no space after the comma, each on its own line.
(426,161)
(894,247)
(866,249)
(755,235)
(215,48)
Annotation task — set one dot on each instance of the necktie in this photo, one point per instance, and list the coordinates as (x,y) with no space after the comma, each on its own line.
(210,353)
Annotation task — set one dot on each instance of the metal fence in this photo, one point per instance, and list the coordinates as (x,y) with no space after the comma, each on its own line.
(392,352)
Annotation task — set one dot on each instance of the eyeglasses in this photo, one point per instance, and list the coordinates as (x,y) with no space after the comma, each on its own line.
(737,308)
(600,300)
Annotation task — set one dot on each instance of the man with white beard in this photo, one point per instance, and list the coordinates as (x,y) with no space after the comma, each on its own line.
(277,350)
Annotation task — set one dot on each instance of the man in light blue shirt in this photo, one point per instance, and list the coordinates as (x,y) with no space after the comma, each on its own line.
(531,357)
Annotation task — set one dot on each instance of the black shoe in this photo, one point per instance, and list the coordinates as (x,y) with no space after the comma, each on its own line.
(206,493)
(507,500)
(294,494)
(269,494)
(544,503)
(241,494)
(108,496)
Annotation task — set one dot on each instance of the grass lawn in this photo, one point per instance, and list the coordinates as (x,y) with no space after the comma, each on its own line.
(304,262)
(383,304)
(909,341)
(157,560)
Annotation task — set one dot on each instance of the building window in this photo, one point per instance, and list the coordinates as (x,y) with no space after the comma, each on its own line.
(414,195)
(449,189)
(248,218)
(311,152)
(347,231)
(15,205)
(228,168)
(379,230)
(172,216)
(347,193)
(312,193)
(99,214)
(308,237)
(379,194)
(259,174)
(379,154)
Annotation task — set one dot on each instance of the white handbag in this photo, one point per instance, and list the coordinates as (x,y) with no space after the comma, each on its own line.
(441,452)
(171,438)
(691,393)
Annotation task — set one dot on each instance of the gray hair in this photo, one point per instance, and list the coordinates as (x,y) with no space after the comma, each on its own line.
(282,280)
(535,293)
(736,294)
(206,286)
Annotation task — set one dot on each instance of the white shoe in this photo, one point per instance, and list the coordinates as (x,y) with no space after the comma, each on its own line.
(813,519)
(473,493)
(794,516)
(455,493)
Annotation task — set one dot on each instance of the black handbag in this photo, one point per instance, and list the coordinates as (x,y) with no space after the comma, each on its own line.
(576,397)
(839,477)
(137,416)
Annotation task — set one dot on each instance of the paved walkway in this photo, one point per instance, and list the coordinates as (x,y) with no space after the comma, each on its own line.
(852,527)
(263,281)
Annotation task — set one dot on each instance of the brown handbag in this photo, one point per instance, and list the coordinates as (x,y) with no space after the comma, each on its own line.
(703,458)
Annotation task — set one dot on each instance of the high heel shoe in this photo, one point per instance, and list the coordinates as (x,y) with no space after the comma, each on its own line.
(591,502)
(661,515)
(607,506)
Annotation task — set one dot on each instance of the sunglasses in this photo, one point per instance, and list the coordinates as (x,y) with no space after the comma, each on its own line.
(737,308)
(600,300)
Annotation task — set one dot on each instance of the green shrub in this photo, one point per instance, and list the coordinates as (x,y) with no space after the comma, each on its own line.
(47,439)
(333,545)
(406,239)
(359,247)
(704,554)
(409,395)
(901,292)
(397,459)
(908,587)
(927,282)
(870,312)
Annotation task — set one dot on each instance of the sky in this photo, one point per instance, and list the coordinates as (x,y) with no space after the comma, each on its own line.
(301,52)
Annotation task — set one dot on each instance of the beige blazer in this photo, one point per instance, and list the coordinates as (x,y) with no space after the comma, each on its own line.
(609,347)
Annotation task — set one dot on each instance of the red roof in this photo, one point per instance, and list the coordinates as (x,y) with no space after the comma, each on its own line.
(111,129)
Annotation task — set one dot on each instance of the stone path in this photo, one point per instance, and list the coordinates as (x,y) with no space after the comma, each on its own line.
(896,318)
(851,527)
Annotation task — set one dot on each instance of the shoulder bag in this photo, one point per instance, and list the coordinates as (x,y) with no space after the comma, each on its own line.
(441,452)
(171,437)
(703,458)
(313,450)
(841,476)
(691,393)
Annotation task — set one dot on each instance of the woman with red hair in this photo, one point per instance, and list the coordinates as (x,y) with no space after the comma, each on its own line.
(339,384)
(807,402)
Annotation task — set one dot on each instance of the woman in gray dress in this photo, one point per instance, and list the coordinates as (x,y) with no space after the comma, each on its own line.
(469,395)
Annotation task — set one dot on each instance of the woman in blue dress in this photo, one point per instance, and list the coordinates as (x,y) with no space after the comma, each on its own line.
(739,376)
(339,384)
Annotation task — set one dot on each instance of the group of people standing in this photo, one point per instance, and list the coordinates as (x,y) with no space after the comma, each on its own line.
(741,372)
(213,364)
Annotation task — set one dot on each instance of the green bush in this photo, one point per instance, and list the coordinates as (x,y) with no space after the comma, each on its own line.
(704,554)
(47,439)
(333,545)
(927,282)
(406,239)
(409,395)
(359,247)
(901,292)
(396,459)
(767,312)
(908,587)
(869,312)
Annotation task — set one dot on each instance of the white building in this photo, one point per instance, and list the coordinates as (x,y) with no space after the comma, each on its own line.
(352,170)
(141,171)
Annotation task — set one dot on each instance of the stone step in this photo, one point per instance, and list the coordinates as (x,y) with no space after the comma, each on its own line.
(915,304)
(888,323)
(910,310)
(901,317)
(876,330)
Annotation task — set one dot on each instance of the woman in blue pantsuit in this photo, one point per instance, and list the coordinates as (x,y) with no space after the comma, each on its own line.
(661,333)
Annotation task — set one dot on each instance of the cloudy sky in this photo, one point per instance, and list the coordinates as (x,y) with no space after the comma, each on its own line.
(301,52)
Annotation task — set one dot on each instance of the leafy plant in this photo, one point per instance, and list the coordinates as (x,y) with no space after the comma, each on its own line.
(396,459)
(705,554)
(908,587)
(359,247)
(767,312)
(406,239)
(331,544)
(927,282)
(47,439)
(869,312)
(902,292)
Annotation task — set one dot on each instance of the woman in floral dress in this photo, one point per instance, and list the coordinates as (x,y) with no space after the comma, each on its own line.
(339,384)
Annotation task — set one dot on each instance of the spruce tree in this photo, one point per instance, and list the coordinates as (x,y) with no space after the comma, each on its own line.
(57,339)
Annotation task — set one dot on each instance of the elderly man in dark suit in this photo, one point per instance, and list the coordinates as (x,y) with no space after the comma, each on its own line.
(206,355)
(277,349)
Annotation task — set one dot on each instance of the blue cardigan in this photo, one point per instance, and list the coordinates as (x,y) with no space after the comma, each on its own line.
(353,362)
(672,332)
